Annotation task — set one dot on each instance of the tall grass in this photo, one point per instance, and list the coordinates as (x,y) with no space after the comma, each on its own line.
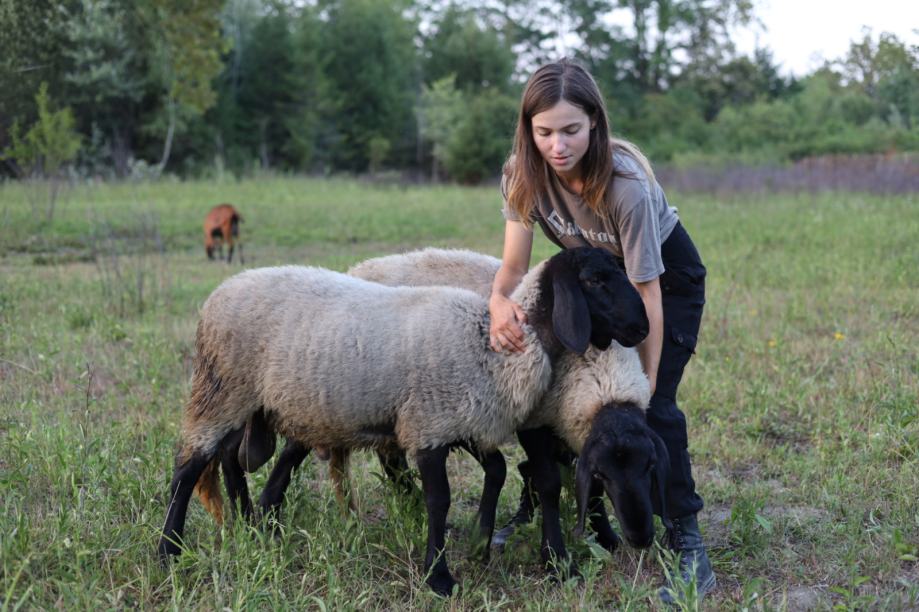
(801,401)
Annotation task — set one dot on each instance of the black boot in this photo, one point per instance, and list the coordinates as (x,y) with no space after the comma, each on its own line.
(686,541)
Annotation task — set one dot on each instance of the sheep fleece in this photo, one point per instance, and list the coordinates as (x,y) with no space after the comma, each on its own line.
(338,362)
(581,385)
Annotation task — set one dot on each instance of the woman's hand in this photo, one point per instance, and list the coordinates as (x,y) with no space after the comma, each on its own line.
(505,333)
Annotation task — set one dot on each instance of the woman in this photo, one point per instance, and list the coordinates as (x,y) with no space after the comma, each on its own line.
(584,188)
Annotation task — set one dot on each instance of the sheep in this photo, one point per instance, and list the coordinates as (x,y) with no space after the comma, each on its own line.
(595,404)
(222,225)
(339,362)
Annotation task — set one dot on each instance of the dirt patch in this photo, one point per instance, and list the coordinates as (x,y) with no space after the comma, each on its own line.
(805,598)
(716,520)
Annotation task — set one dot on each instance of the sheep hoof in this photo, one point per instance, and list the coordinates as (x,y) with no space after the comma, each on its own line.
(442,584)
(482,548)
(167,550)
(609,543)
(501,536)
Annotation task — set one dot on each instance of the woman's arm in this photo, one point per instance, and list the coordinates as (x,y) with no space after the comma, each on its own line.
(506,315)
(649,351)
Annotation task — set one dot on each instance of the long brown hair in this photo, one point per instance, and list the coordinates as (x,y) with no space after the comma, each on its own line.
(526,172)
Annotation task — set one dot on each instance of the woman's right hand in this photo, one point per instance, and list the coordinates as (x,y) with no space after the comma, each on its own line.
(505,332)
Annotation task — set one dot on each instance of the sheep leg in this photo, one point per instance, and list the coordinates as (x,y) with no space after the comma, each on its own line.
(291,457)
(396,468)
(233,475)
(529,501)
(537,443)
(432,463)
(183,484)
(599,520)
(495,472)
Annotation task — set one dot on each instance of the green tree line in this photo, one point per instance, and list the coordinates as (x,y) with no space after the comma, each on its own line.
(431,87)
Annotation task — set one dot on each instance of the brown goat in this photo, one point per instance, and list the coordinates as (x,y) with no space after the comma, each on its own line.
(222,225)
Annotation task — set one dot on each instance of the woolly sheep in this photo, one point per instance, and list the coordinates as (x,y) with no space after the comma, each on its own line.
(339,362)
(607,382)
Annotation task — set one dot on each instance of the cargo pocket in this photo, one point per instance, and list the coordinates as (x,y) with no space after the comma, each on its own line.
(684,339)
(678,347)
(683,282)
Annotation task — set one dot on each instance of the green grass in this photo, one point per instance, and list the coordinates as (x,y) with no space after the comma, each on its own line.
(801,401)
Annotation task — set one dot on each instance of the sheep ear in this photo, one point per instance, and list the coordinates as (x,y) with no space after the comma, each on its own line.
(661,476)
(583,479)
(570,316)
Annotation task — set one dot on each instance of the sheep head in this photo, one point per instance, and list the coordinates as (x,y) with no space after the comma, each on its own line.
(632,464)
(593,301)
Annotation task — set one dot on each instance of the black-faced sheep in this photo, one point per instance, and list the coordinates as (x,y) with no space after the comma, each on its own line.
(339,362)
(595,404)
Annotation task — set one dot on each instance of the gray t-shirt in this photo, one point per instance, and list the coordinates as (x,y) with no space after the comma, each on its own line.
(640,221)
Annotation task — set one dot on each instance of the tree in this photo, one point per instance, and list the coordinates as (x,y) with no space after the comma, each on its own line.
(31,46)
(476,55)
(46,147)
(739,81)
(664,37)
(307,133)
(482,138)
(105,80)
(369,61)
(267,91)
(523,26)
(187,45)
(439,113)
(887,71)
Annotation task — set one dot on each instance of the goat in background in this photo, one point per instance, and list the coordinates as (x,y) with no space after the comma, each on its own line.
(222,225)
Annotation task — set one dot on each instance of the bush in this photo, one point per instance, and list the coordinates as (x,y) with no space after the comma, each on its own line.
(482,138)
(49,144)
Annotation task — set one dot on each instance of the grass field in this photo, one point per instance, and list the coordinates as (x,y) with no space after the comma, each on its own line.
(801,400)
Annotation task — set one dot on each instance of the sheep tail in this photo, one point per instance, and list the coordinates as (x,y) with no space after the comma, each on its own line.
(208,489)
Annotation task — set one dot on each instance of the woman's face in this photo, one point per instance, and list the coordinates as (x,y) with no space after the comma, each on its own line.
(562,135)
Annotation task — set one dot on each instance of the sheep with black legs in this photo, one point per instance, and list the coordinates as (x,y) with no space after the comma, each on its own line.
(338,362)
(595,405)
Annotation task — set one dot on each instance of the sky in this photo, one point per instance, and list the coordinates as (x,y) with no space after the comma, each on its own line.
(803,33)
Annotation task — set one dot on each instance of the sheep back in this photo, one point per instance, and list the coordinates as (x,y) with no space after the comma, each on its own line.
(581,384)
(432,266)
(341,362)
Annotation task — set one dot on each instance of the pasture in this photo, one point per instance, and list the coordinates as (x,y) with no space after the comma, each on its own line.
(801,401)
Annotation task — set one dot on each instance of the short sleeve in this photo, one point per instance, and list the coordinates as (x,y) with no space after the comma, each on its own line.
(506,212)
(639,233)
